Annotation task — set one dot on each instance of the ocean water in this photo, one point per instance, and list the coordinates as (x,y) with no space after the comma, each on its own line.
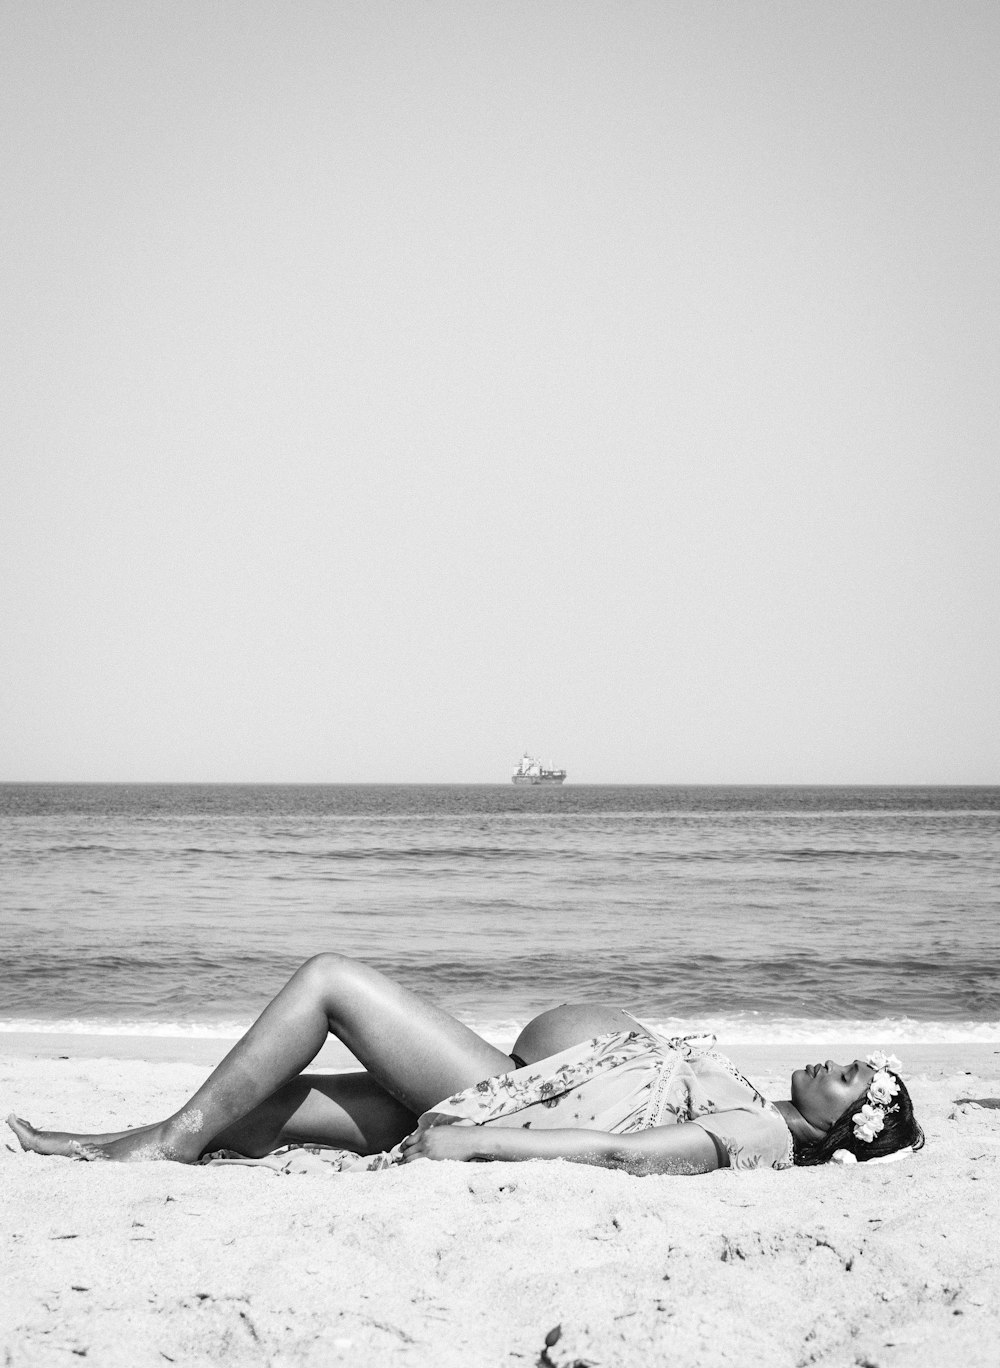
(767,914)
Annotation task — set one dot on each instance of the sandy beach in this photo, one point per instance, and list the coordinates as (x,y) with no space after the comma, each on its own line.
(455,1264)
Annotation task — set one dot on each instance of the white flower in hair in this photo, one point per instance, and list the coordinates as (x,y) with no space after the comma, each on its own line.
(882,1089)
(878,1059)
(868,1122)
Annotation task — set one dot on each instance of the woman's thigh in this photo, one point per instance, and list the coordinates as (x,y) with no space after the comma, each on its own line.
(417,1052)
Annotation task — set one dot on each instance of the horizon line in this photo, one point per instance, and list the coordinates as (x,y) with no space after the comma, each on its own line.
(505,783)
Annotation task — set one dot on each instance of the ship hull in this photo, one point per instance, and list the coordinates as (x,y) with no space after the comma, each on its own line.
(538,779)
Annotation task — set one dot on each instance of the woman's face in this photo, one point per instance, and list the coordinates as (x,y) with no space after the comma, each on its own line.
(822,1092)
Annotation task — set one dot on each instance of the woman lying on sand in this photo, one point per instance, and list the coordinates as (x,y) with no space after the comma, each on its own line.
(587,1083)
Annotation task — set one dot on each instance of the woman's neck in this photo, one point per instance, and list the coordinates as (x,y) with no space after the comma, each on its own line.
(801,1128)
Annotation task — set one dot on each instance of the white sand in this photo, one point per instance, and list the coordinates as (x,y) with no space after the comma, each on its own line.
(460,1264)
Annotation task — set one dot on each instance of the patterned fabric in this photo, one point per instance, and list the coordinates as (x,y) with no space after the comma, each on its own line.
(616,1083)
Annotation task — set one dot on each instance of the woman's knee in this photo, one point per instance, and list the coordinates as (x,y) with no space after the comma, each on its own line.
(326,969)
(344,987)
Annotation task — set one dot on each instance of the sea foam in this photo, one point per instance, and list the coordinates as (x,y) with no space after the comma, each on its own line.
(728,1029)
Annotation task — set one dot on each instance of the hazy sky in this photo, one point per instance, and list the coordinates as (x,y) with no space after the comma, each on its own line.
(387,388)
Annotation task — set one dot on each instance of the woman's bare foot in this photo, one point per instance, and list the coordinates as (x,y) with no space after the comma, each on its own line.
(178,1139)
(175,1139)
(58,1142)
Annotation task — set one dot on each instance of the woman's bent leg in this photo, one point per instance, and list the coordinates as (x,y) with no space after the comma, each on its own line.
(349,1111)
(416,1052)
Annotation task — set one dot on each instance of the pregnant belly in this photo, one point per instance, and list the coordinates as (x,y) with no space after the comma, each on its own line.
(568,1025)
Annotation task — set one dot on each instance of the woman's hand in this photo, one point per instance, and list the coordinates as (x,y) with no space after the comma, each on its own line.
(443,1142)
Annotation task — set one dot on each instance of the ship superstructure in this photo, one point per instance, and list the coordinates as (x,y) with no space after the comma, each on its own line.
(531,771)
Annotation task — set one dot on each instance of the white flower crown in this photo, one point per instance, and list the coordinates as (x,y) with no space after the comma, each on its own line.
(881,1090)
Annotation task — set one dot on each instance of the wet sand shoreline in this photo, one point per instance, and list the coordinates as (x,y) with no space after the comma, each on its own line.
(935,1058)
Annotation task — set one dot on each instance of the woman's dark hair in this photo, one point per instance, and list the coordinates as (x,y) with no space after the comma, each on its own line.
(901,1128)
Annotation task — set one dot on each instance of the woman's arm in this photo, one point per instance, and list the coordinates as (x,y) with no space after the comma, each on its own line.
(661,1149)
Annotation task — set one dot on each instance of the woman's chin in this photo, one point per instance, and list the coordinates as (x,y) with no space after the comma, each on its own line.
(799,1079)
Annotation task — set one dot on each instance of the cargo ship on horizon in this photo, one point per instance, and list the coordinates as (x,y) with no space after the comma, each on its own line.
(531,771)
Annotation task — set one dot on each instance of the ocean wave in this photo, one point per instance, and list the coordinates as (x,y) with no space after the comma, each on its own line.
(180,1030)
(748,1030)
